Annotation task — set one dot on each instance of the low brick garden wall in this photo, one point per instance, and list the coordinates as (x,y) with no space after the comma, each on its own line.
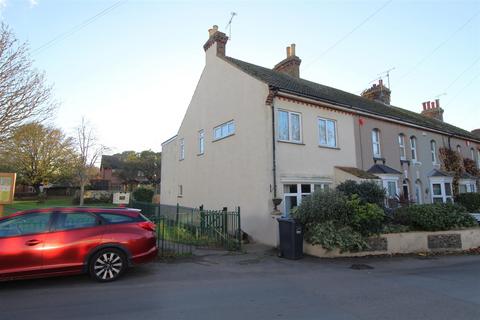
(408,242)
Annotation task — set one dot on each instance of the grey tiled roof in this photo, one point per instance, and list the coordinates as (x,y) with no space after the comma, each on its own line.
(382,169)
(317,91)
(359,173)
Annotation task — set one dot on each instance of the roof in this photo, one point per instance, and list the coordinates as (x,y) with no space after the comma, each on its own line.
(309,89)
(382,169)
(359,173)
(440,173)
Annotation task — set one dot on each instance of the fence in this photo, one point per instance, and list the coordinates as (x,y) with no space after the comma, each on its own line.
(180,229)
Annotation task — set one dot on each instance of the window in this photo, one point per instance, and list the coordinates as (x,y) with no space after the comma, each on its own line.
(182,149)
(289,126)
(224,130)
(294,193)
(418,192)
(413,147)
(201,141)
(406,189)
(25,224)
(327,132)
(401,144)
(433,150)
(441,190)
(70,221)
(467,186)
(478,159)
(459,149)
(376,143)
(472,154)
(180,190)
(113,218)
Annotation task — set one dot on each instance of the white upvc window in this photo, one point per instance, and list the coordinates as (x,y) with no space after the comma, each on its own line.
(478,159)
(467,186)
(459,149)
(181,155)
(289,126)
(441,190)
(293,193)
(433,150)
(224,130)
(413,148)
(327,129)
(401,145)
(201,142)
(472,154)
(418,192)
(377,153)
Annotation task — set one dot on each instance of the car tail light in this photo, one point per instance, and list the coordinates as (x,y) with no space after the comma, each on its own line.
(147,225)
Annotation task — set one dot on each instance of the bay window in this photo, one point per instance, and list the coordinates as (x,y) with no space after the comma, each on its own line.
(441,190)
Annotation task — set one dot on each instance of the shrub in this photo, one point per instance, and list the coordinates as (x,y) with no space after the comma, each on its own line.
(323,206)
(471,201)
(434,217)
(368,191)
(143,194)
(331,235)
(368,219)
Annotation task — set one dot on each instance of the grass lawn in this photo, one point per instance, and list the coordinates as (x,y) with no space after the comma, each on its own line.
(55,202)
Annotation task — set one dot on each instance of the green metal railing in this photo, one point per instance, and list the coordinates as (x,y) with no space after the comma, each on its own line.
(181,229)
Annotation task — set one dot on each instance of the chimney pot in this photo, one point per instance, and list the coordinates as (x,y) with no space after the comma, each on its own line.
(437,102)
(289,52)
(431,109)
(380,82)
(292,49)
(424,104)
(217,37)
(428,105)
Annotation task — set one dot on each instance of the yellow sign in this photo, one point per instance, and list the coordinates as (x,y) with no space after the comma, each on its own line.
(7,187)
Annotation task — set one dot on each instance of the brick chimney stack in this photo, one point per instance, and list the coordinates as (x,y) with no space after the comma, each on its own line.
(378,93)
(217,38)
(431,109)
(291,64)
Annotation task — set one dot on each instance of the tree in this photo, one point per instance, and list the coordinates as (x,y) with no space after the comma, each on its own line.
(39,154)
(24,95)
(150,163)
(89,152)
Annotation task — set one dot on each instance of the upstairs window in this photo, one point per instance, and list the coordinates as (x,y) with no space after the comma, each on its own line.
(459,149)
(201,142)
(327,132)
(472,154)
(376,143)
(401,145)
(413,147)
(433,150)
(224,130)
(182,149)
(478,159)
(289,126)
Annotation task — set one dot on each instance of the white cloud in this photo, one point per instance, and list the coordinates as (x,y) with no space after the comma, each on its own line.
(33,3)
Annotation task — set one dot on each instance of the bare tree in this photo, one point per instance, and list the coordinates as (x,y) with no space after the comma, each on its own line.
(23,92)
(89,153)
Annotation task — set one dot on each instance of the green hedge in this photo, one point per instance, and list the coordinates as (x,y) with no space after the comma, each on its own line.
(143,194)
(434,217)
(471,201)
(367,191)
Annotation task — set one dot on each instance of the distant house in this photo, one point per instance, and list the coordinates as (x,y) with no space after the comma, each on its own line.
(113,175)
(255,136)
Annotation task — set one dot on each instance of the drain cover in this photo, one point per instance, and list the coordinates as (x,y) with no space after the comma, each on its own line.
(360,267)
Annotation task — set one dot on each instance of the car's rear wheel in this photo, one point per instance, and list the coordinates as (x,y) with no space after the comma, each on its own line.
(107,265)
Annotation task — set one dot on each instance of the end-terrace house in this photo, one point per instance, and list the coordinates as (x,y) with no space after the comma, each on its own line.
(263,139)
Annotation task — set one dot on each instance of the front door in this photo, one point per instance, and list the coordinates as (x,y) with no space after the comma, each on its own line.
(22,239)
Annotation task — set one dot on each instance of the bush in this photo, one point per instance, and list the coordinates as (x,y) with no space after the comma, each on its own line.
(368,219)
(143,194)
(471,201)
(434,217)
(368,191)
(323,206)
(331,235)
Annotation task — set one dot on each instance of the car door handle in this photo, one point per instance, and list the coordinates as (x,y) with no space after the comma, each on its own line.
(33,242)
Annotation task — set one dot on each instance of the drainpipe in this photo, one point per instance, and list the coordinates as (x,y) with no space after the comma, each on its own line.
(274,158)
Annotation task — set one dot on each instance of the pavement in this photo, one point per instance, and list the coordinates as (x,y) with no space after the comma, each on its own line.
(259,285)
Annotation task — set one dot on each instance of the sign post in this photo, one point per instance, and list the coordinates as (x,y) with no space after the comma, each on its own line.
(7,189)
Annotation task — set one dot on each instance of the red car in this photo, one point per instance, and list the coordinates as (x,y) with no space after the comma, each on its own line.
(63,241)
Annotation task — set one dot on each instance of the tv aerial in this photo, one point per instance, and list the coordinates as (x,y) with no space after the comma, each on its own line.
(229,25)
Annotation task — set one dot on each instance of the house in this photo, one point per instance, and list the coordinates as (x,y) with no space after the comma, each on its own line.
(115,174)
(262,139)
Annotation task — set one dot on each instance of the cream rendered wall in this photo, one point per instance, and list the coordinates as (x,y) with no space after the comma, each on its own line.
(308,161)
(391,151)
(234,171)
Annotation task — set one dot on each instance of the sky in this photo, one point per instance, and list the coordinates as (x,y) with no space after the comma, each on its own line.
(130,67)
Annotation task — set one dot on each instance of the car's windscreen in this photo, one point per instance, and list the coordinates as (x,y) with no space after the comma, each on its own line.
(25,224)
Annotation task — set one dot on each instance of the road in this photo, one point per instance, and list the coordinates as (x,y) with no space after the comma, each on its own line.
(258,285)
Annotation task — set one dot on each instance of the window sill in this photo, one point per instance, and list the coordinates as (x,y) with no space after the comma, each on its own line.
(292,142)
(416,163)
(179,196)
(402,161)
(181,159)
(215,140)
(328,147)
(200,154)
